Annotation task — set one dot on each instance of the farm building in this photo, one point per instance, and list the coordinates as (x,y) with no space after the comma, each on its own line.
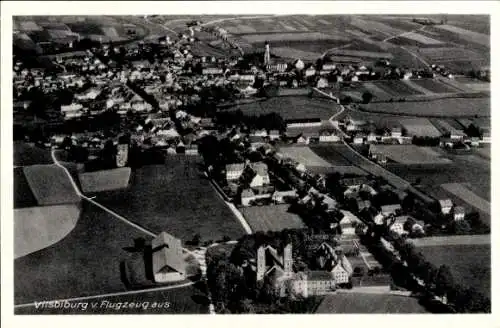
(315,282)
(168,261)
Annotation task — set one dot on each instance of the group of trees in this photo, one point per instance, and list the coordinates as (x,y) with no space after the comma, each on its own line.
(440,281)
(270,121)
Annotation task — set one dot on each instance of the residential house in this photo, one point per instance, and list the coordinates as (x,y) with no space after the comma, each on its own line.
(396,132)
(458,213)
(388,210)
(396,225)
(234,171)
(256,174)
(446,205)
(274,135)
(168,259)
(280,197)
(328,136)
(358,139)
(348,223)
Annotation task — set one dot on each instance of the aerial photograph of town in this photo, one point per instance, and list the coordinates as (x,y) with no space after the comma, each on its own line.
(251,164)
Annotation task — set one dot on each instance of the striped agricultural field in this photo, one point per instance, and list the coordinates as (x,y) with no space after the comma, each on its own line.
(468,196)
(376,91)
(287,27)
(421,38)
(417,87)
(324,22)
(471,36)
(304,155)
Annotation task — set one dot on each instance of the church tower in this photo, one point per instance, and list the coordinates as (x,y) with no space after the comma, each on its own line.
(261,262)
(287,259)
(267,54)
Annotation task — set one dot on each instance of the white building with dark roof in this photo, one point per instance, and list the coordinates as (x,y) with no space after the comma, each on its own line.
(168,260)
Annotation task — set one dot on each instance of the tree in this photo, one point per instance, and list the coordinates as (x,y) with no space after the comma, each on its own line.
(367,97)
(196,240)
(444,280)
(460,227)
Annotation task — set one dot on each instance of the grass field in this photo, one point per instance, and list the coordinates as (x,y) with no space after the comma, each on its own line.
(467,35)
(468,196)
(361,53)
(50,185)
(330,154)
(422,38)
(410,154)
(369,303)
(434,86)
(36,228)
(280,37)
(185,300)
(396,88)
(105,180)
(271,218)
(447,107)
(28,154)
(469,264)
(420,127)
(292,107)
(286,52)
(23,196)
(304,155)
(85,262)
(174,197)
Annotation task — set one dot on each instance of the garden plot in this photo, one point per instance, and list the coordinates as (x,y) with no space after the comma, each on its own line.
(410,154)
(304,155)
(271,218)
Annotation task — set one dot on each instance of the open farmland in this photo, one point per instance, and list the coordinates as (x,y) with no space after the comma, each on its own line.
(280,37)
(50,185)
(271,218)
(469,264)
(28,154)
(447,107)
(184,300)
(371,26)
(434,86)
(174,197)
(467,35)
(445,55)
(291,108)
(422,38)
(369,303)
(36,228)
(330,154)
(396,88)
(292,53)
(410,154)
(23,196)
(360,53)
(85,262)
(105,180)
(304,155)
(468,196)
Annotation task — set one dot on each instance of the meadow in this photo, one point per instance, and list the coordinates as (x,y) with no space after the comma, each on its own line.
(174,197)
(271,218)
(369,303)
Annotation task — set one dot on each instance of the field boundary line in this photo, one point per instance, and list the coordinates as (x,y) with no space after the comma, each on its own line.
(130,292)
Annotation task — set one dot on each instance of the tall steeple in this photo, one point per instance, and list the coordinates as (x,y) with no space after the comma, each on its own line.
(267,54)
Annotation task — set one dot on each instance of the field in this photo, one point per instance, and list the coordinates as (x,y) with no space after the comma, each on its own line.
(469,264)
(28,154)
(280,37)
(285,52)
(420,127)
(434,86)
(36,228)
(396,88)
(330,154)
(467,35)
(174,197)
(410,154)
(271,218)
(185,300)
(304,155)
(443,55)
(448,107)
(422,38)
(369,303)
(456,240)
(292,107)
(85,262)
(50,185)
(105,180)
(360,53)
(468,196)
(23,196)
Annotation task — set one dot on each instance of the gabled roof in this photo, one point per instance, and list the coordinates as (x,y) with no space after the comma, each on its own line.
(167,254)
(445,202)
(235,167)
